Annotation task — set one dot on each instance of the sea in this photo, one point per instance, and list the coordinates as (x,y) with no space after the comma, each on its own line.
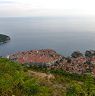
(62,34)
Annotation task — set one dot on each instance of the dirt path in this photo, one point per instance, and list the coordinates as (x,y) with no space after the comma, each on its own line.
(41,75)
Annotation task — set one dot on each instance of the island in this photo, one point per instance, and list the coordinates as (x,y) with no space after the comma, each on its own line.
(4,38)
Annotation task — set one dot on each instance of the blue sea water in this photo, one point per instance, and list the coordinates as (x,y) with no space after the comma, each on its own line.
(63,34)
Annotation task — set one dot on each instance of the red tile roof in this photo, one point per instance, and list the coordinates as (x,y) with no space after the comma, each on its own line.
(36,56)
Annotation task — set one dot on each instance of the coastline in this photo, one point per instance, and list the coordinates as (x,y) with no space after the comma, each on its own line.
(76,63)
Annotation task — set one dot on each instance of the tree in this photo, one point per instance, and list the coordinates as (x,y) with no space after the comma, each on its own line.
(75,89)
(89,86)
(89,54)
(31,87)
(76,54)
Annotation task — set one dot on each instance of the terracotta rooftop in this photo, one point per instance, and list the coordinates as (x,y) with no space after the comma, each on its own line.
(35,56)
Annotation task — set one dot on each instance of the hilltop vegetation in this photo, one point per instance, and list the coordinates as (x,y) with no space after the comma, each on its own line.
(18,80)
(4,38)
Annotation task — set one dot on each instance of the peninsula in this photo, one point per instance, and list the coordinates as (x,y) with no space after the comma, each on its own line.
(4,38)
(47,58)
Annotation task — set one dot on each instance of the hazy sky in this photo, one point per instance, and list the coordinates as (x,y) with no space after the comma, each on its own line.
(46,7)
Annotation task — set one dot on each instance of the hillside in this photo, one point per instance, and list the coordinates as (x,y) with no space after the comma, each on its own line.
(4,38)
(18,80)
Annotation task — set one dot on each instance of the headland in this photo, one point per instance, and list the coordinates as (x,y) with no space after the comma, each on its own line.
(4,38)
(78,62)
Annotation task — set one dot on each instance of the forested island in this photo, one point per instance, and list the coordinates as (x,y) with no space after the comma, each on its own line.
(4,38)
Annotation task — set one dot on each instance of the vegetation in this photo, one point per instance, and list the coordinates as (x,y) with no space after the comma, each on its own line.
(4,38)
(15,80)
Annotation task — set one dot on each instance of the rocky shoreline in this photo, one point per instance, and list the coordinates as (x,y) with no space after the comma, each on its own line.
(76,63)
(4,38)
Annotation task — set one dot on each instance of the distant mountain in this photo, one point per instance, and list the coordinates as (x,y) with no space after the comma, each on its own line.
(4,38)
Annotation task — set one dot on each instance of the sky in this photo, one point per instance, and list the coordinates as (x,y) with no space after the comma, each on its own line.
(47,8)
